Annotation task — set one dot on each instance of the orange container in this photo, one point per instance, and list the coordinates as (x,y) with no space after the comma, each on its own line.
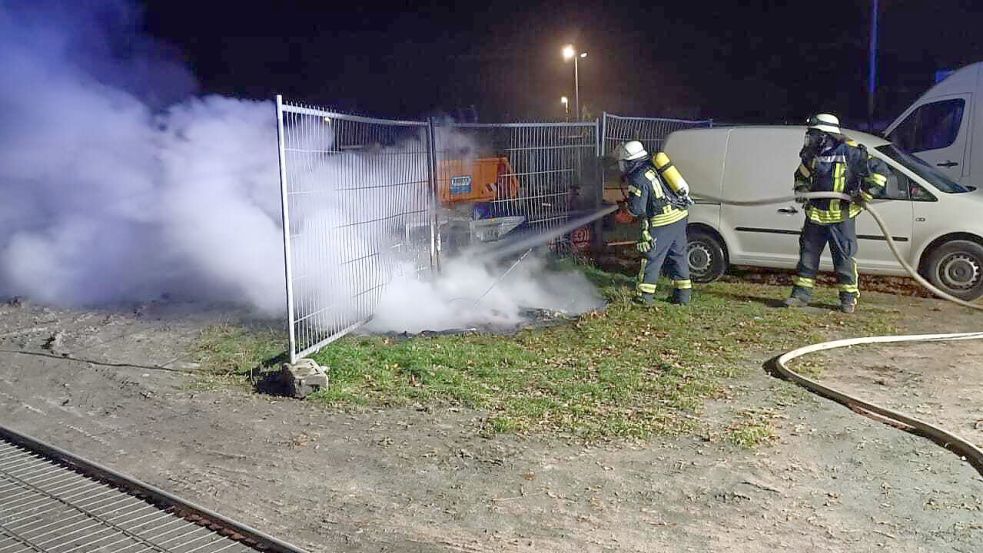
(477,180)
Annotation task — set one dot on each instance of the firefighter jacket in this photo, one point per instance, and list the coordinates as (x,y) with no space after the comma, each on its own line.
(846,168)
(650,199)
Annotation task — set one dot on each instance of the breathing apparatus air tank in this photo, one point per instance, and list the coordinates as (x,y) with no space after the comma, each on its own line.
(670,174)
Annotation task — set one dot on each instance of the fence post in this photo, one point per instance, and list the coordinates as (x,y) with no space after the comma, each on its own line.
(596,240)
(285,213)
(434,196)
(604,131)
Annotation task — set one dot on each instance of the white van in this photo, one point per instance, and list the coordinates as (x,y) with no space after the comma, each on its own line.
(934,220)
(940,127)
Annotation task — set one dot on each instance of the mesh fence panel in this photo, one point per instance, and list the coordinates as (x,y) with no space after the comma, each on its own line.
(357,211)
(650,131)
(542,172)
(368,200)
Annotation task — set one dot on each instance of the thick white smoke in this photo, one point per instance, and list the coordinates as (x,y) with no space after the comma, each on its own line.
(470,294)
(119,185)
(107,197)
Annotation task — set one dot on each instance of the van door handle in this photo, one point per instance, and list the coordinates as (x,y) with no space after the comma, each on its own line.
(947,164)
(788,210)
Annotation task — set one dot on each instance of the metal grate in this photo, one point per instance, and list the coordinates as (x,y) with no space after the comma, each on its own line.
(45,507)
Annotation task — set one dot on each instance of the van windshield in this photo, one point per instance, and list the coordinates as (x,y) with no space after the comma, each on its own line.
(923,170)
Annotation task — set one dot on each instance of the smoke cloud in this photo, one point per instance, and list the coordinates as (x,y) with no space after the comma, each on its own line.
(109,196)
(471,295)
(120,185)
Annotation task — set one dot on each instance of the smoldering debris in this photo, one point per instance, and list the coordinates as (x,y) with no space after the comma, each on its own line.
(456,299)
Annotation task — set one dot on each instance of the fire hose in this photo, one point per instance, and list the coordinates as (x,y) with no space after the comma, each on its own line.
(779,364)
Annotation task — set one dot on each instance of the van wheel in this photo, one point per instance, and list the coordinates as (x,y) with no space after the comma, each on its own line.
(706,256)
(956,267)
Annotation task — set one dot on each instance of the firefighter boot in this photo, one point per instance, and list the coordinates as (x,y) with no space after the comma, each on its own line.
(848,302)
(645,299)
(800,297)
(680,296)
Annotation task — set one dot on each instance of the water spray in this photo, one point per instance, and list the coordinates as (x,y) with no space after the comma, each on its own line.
(542,238)
(500,279)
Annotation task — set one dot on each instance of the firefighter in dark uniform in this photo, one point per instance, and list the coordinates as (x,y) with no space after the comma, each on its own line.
(658,197)
(830,162)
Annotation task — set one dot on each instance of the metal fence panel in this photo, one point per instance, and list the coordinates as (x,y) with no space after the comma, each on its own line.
(542,172)
(367,200)
(357,212)
(650,131)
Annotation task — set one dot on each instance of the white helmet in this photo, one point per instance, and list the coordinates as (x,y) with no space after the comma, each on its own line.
(630,151)
(825,122)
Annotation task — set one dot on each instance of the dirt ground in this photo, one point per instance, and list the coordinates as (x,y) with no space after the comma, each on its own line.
(938,382)
(417,480)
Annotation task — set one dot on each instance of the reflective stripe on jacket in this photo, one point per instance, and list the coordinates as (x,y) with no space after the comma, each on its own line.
(647,197)
(846,168)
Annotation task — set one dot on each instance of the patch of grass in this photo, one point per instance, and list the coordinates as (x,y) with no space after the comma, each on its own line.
(229,353)
(502,425)
(627,371)
(751,429)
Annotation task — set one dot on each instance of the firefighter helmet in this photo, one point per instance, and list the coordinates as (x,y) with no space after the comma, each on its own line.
(630,151)
(825,122)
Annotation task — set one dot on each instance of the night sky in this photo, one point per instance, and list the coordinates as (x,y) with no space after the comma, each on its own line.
(750,62)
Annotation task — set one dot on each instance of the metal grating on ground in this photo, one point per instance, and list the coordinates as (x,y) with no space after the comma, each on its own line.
(46,507)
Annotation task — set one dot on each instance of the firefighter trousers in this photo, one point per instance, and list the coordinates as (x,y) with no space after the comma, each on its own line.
(842,240)
(668,247)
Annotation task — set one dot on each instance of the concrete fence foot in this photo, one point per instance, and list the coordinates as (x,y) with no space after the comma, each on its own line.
(303,378)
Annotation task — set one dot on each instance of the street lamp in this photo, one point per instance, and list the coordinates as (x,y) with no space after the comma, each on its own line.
(872,67)
(566,106)
(569,52)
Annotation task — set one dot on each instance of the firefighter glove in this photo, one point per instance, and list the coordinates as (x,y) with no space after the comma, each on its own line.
(860,197)
(798,195)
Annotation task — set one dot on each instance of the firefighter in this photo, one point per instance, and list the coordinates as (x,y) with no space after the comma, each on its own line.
(830,162)
(658,196)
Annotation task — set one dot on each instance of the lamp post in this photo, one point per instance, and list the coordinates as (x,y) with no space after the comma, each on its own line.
(569,52)
(872,67)
(566,107)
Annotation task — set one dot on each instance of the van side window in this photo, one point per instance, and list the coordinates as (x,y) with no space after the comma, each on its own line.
(919,194)
(930,127)
(898,186)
